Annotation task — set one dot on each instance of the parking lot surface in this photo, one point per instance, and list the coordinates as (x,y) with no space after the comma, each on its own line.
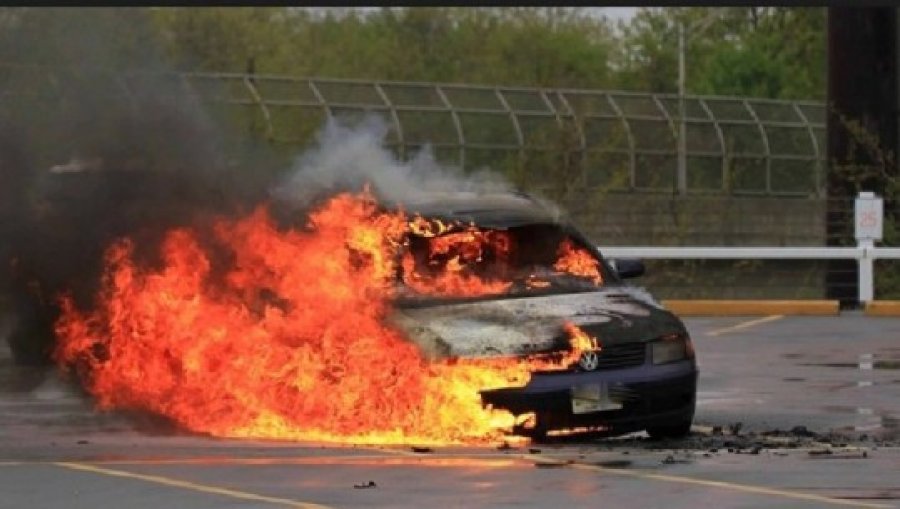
(792,412)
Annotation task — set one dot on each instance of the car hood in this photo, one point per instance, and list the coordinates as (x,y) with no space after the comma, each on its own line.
(527,325)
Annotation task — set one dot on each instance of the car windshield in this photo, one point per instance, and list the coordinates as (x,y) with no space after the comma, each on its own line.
(470,262)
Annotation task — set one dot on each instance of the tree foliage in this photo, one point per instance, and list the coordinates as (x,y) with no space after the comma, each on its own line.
(517,46)
(776,52)
(772,52)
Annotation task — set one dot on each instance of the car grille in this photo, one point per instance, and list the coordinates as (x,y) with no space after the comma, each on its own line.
(622,356)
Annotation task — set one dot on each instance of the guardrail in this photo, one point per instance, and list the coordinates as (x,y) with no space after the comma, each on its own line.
(864,254)
(868,227)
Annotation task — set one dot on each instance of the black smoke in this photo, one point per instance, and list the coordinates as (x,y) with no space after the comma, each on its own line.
(98,140)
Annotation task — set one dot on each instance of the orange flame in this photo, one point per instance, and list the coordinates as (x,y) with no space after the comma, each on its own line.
(268,333)
(454,258)
(580,340)
(577,261)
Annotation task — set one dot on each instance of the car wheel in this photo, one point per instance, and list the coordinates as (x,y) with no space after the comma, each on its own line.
(678,430)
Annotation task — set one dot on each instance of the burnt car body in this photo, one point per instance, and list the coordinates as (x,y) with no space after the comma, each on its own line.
(644,375)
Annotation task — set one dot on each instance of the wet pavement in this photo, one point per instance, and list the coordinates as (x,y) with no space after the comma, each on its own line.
(792,412)
(838,373)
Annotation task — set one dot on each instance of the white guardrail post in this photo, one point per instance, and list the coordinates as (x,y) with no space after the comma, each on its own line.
(869,225)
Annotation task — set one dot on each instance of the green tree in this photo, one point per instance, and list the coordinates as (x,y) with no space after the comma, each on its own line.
(524,46)
(773,52)
(763,62)
(227,39)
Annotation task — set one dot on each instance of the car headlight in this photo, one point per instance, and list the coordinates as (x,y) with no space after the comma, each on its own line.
(671,348)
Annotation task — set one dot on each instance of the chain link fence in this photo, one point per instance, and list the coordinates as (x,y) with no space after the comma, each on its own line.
(755,169)
(615,140)
(538,136)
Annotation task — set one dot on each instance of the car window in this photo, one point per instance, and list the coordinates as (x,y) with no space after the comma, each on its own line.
(440,260)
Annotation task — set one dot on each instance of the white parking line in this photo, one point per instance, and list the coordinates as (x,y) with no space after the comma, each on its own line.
(744,325)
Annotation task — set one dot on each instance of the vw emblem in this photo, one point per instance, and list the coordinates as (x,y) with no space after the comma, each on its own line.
(589,360)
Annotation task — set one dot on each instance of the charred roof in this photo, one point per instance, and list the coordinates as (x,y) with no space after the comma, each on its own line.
(492,210)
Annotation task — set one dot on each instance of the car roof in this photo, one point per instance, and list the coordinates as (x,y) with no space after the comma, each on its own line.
(492,210)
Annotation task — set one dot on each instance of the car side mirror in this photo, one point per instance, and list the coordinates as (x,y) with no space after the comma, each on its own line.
(628,267)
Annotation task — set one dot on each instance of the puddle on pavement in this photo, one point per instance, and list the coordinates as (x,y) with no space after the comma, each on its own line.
(858,384)
(879,420)
(864,362)
(892,364)
(876,421)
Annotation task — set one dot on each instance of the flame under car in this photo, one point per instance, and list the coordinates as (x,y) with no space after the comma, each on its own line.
(501,276)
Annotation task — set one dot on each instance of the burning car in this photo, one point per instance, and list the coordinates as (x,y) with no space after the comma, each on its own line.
(449,319)
(500,275)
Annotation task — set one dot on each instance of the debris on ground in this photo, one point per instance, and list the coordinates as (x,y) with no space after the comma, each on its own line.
(554,463)
(839,453)
(672,460)
(709,441)
(370,484)
(422,450)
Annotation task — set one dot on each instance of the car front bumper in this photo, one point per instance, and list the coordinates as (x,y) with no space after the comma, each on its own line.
(635,398)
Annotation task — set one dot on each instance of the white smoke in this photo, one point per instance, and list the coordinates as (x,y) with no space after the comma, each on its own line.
(348,157)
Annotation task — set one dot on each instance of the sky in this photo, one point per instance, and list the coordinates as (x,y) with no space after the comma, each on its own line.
(613,13)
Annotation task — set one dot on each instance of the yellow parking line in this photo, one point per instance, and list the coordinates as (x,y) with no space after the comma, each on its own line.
(642,474)
(253,460)
(745,325)
(747,488)
(242,495)
(344,459)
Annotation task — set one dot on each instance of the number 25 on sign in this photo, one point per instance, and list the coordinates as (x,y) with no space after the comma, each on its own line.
(869,214)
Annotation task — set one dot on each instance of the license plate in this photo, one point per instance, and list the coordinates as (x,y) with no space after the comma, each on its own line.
(592,398)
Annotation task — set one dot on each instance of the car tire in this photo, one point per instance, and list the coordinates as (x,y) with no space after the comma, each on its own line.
(678,430)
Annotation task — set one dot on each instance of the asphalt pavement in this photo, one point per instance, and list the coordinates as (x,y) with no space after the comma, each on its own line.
(792,412)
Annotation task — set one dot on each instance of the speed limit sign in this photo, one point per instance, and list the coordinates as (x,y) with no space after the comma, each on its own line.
(869,216)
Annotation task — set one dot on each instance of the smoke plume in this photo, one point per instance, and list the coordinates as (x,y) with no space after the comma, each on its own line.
(350,156)
(90,153)
(93,152)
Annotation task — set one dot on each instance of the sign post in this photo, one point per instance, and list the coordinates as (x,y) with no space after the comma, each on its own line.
(869,227)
